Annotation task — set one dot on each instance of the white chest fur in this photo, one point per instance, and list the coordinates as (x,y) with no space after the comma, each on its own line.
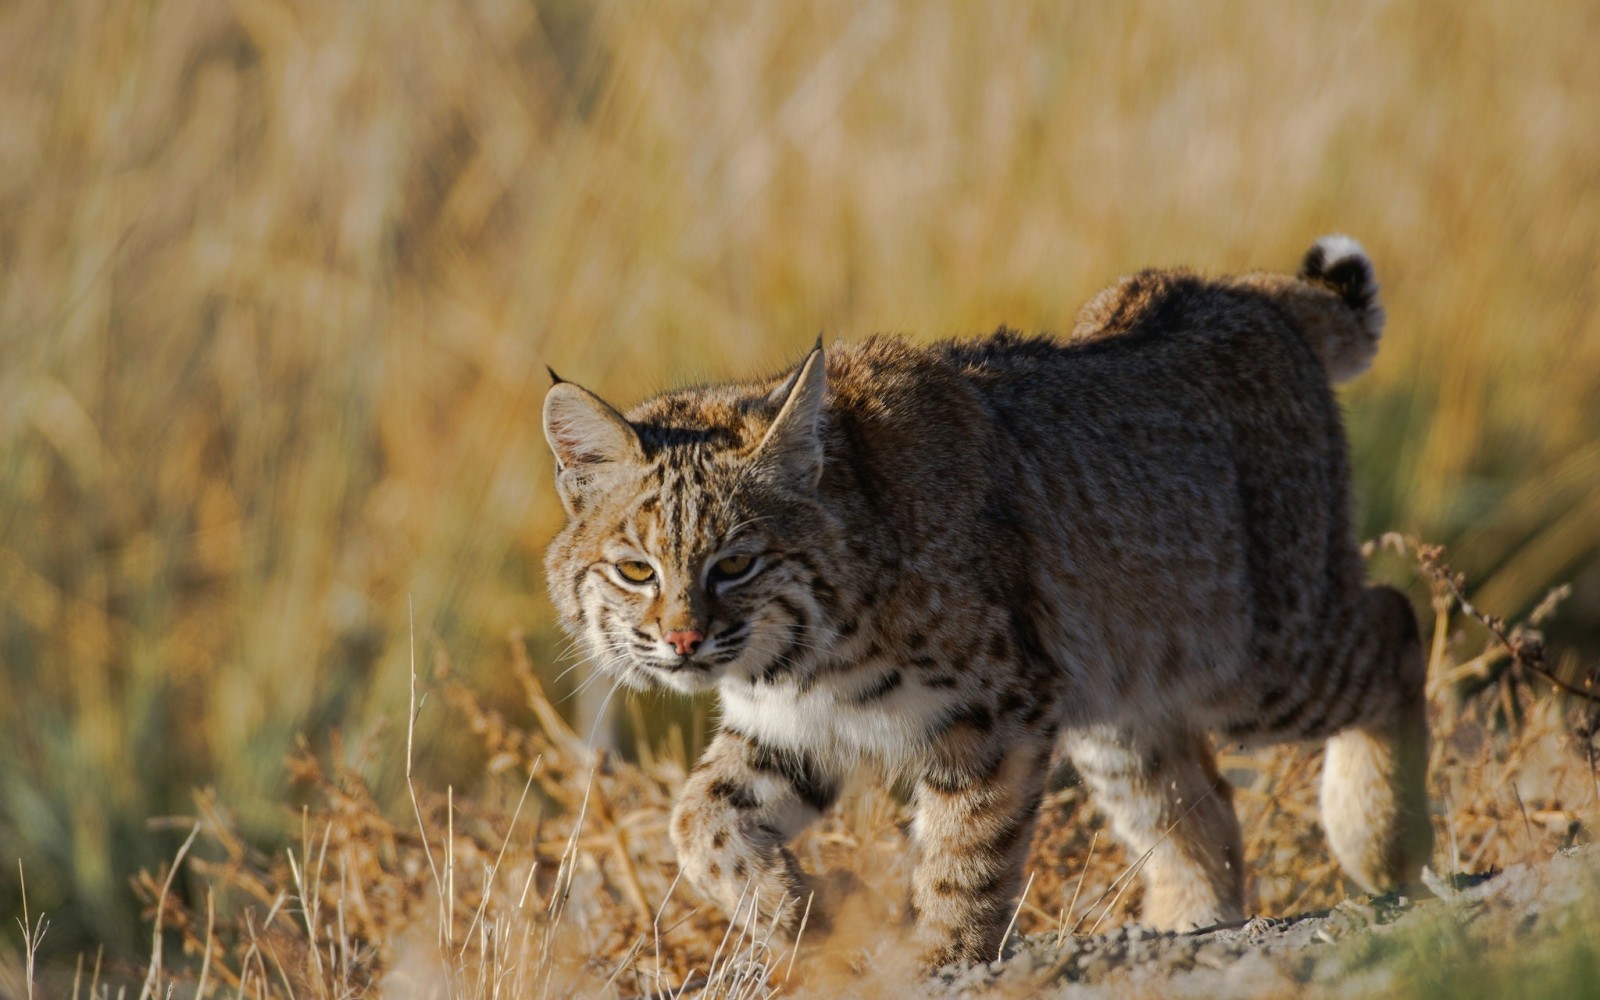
(829,723)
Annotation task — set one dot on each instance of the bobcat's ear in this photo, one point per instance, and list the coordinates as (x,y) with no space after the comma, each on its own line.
(588,437)
(792,447)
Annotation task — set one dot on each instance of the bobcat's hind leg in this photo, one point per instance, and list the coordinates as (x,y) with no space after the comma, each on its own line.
(1166,799)
(1374,778)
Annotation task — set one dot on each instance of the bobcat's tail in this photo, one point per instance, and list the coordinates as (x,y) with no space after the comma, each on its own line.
(1346,343)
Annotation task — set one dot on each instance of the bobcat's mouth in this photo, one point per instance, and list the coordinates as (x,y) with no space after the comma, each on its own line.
(686,675)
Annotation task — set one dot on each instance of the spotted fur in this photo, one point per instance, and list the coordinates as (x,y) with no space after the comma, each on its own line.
(964,556)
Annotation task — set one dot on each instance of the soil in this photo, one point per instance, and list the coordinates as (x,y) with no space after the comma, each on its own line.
(1320,953)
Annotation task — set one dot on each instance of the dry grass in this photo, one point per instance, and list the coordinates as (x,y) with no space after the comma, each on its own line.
(277,282)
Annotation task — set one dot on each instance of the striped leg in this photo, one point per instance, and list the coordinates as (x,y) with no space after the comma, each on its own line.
(972,830)
(739,808)
(1164,797)
(1374,777)
(1362,690)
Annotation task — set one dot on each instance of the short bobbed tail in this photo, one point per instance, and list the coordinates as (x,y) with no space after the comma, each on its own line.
(1339,264)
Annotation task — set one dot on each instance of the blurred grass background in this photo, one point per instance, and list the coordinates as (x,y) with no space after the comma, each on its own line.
(278,281)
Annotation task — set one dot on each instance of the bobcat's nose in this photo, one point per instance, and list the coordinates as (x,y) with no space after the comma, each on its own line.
(685,641)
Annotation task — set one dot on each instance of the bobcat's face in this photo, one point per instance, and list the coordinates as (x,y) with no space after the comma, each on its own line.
(679,593)
(688,557)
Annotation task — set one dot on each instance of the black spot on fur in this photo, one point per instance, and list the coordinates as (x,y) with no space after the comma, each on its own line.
(991,882)
(800,771)
(999,646)
(1011,702)
(879,689)
(734,794)
(774,670)
(824,592)
(792,610)
(787,658)
(954,779)
(1017,827)
(975,717)
(945,781)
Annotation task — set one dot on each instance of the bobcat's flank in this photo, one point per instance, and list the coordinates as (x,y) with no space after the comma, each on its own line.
(943,562)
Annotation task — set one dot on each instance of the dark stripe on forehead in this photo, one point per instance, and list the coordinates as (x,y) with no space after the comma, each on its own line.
(664,439)
(681,511)
(688,500)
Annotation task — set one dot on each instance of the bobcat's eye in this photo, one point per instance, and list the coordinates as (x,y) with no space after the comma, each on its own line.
(731,568)
(636,571)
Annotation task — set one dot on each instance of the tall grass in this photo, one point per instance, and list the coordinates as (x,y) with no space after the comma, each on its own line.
(278,282)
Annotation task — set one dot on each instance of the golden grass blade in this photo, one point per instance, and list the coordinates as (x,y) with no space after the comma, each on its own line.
(152,981)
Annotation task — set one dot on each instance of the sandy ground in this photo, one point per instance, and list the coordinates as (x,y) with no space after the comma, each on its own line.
(1320,953)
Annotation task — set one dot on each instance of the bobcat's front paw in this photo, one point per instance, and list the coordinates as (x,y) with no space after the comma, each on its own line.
(729,854)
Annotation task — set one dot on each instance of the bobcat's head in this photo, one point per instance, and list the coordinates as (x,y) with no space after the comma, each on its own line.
(690,551)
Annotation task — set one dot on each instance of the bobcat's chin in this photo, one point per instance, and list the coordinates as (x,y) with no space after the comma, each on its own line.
(688,679)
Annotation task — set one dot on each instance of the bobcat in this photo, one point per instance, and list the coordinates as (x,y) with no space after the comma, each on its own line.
(942,562)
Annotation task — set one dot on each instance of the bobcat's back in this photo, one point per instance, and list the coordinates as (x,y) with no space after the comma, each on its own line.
(1162,502)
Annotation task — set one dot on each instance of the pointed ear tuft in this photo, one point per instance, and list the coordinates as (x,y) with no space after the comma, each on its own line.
(587,436)
(792,447)
(554,378)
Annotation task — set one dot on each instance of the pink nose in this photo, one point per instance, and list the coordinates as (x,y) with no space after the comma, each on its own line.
(685,641)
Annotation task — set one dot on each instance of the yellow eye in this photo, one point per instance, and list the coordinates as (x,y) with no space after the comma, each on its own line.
(732,566)
(636,571)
